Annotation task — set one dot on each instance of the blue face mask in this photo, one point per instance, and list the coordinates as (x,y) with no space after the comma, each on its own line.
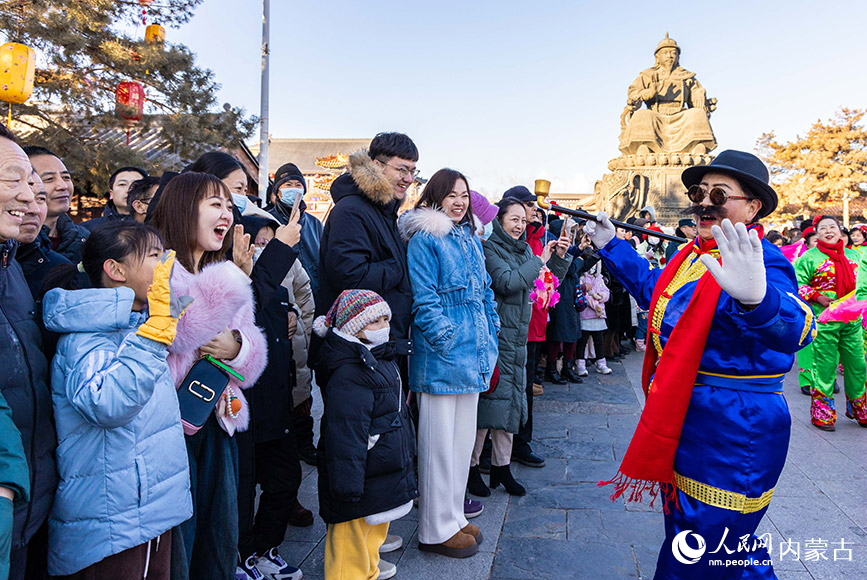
(239,201)
(287,195)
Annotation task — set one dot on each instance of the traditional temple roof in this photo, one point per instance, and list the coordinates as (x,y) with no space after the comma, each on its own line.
(305,152)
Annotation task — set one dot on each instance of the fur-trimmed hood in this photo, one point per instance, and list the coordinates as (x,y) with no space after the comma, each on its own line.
(431,221)
(424,219)
(370,178)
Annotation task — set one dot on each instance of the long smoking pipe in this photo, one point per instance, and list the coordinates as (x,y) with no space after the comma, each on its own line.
(543,187)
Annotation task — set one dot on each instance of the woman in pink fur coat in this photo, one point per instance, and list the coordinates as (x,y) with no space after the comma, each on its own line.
(194,215)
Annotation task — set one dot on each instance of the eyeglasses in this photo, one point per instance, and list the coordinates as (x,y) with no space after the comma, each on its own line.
(403,171)
(718,196)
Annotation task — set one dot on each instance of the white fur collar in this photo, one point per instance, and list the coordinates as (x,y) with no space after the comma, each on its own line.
(424,219)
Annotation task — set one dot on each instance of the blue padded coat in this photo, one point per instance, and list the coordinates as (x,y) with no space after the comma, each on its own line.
(124,475)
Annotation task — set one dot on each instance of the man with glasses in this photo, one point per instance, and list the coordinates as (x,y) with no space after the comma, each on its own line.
(139,197)
(725,321)
(360,245)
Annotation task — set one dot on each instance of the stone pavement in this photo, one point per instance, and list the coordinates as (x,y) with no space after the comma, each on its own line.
(566,527)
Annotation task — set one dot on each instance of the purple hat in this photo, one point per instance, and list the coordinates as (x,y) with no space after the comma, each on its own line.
(482,208)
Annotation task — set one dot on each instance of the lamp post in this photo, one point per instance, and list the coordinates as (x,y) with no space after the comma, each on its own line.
(846,210)
(263,112)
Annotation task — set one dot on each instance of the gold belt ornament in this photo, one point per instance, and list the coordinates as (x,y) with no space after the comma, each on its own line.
(716,497)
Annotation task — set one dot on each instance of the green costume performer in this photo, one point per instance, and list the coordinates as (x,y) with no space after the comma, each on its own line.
(827,273)
(805,367)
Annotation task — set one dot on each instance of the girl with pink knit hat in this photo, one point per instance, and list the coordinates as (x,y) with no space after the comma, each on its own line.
(367,440)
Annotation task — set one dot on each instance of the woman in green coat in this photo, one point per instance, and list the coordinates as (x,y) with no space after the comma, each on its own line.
(513,268)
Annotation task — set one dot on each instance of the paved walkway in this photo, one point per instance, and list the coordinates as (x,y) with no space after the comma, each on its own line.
(566,527)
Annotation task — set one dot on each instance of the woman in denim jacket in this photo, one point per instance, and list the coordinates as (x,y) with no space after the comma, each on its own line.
(454,353)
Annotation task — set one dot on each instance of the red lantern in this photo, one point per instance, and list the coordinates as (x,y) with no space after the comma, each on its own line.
(129,103)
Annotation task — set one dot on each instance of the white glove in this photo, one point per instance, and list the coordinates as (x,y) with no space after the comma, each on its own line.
(742,273)
(600,230)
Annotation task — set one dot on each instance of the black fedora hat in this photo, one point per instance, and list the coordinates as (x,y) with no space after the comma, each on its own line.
(743,166)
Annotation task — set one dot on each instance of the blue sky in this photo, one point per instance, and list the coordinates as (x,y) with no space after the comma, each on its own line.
(509,91)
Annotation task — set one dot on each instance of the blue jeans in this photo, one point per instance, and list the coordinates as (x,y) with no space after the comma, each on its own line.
(205,546)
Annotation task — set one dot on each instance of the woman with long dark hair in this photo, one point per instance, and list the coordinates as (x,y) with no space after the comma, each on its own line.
(454,352)
(194,216)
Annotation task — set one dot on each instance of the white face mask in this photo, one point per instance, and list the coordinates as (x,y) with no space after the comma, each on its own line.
(257,251)
(488,230)
(377,337)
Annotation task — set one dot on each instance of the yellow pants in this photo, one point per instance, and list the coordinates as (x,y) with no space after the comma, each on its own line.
(352,550)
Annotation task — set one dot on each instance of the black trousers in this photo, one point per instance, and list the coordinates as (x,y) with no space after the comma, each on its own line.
(525,433)
(596,335)
(302,424)
(275,466)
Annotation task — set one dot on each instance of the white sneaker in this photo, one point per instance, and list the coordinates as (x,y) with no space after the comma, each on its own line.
(272,566)
(602,367)
(392,542)
(581,367)
(386,570)
(248,569)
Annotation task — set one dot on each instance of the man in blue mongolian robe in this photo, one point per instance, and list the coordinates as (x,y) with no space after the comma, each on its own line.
(725,321)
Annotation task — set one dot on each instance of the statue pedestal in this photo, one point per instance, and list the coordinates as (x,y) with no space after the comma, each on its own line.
(640,180)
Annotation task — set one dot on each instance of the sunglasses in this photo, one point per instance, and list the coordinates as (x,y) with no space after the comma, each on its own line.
(718,196)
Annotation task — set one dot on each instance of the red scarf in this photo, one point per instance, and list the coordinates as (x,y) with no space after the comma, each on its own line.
(845,275)
(649,460)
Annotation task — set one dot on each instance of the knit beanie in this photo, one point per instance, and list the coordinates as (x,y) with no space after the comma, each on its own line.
(482,208)
(288,177)
(351,312)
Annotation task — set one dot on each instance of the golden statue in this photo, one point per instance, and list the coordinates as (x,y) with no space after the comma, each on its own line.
(676,119)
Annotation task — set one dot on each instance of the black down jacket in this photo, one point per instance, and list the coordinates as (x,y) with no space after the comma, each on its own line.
(271,398)
(363,406)
(72,237)
(361,247)
(23,383)
(36,260)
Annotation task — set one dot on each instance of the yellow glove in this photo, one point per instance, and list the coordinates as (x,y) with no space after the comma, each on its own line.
(164,308)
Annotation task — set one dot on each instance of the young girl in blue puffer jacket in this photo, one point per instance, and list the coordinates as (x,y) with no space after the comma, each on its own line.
(124,476)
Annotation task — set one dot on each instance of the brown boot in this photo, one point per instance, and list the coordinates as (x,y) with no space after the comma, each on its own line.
(300,517)
(473,531)
(460,545)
